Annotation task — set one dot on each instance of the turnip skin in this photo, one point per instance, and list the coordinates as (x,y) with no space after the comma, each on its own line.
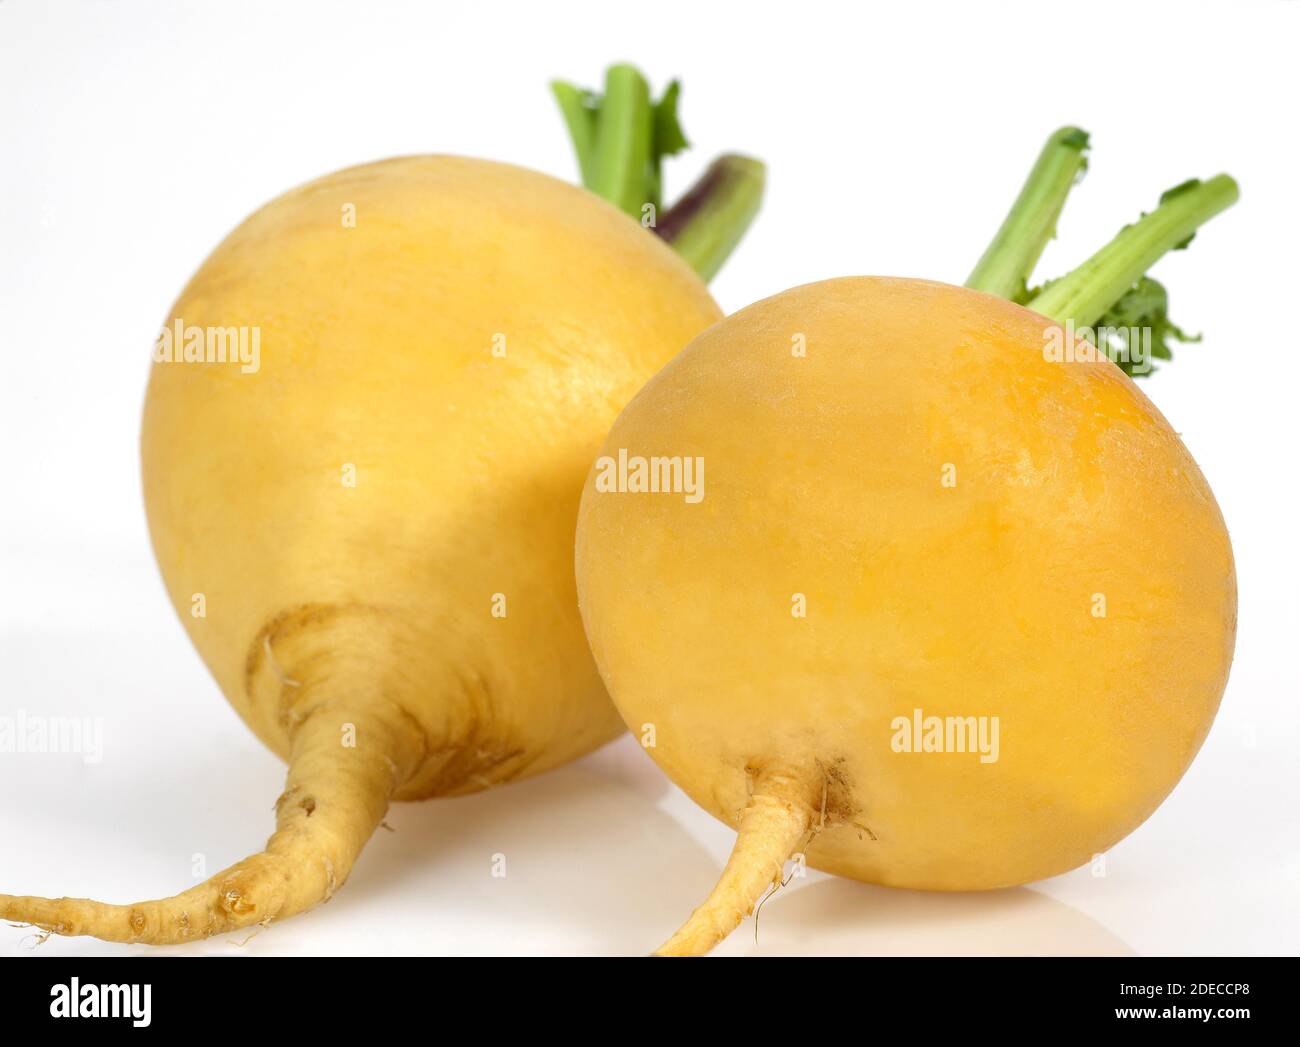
(824,479)
(335,612)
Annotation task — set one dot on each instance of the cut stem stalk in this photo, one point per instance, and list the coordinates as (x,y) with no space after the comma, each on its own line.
(620,139)
(1088,291)
(623,140)
(708,221)
(1005,267)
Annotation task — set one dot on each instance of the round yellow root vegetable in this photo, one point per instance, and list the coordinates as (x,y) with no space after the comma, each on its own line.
(366,521)
(877,581)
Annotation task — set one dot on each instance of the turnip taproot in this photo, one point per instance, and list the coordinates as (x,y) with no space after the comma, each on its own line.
(939,610)
(375,516)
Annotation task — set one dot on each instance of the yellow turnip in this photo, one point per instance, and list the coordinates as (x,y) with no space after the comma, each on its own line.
(363,504)
(880,576)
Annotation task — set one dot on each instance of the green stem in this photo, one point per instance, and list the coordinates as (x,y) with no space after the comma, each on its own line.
(1088,291)
(707,222)
(621,138)
(1009,261)
(580,118)
(624,138)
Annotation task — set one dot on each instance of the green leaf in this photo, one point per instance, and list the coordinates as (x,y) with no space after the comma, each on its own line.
(669,139)
(1144,307)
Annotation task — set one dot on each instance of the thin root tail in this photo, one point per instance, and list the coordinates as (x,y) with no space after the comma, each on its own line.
(335,797)
(781,812)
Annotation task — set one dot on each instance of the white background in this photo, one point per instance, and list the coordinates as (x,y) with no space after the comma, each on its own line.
(133,136)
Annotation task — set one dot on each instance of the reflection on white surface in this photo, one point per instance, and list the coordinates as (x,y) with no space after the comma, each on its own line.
(834,917)
(603,857)
(571,862)
(822,915)
(590,865)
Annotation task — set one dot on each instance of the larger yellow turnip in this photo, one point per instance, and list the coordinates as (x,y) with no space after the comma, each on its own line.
(367,525)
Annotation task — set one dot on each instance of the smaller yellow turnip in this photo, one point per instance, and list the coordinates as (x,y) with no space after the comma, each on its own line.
(882,575)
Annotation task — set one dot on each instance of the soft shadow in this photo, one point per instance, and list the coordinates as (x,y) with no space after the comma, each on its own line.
(590,864)
(624,760)
(836,917)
